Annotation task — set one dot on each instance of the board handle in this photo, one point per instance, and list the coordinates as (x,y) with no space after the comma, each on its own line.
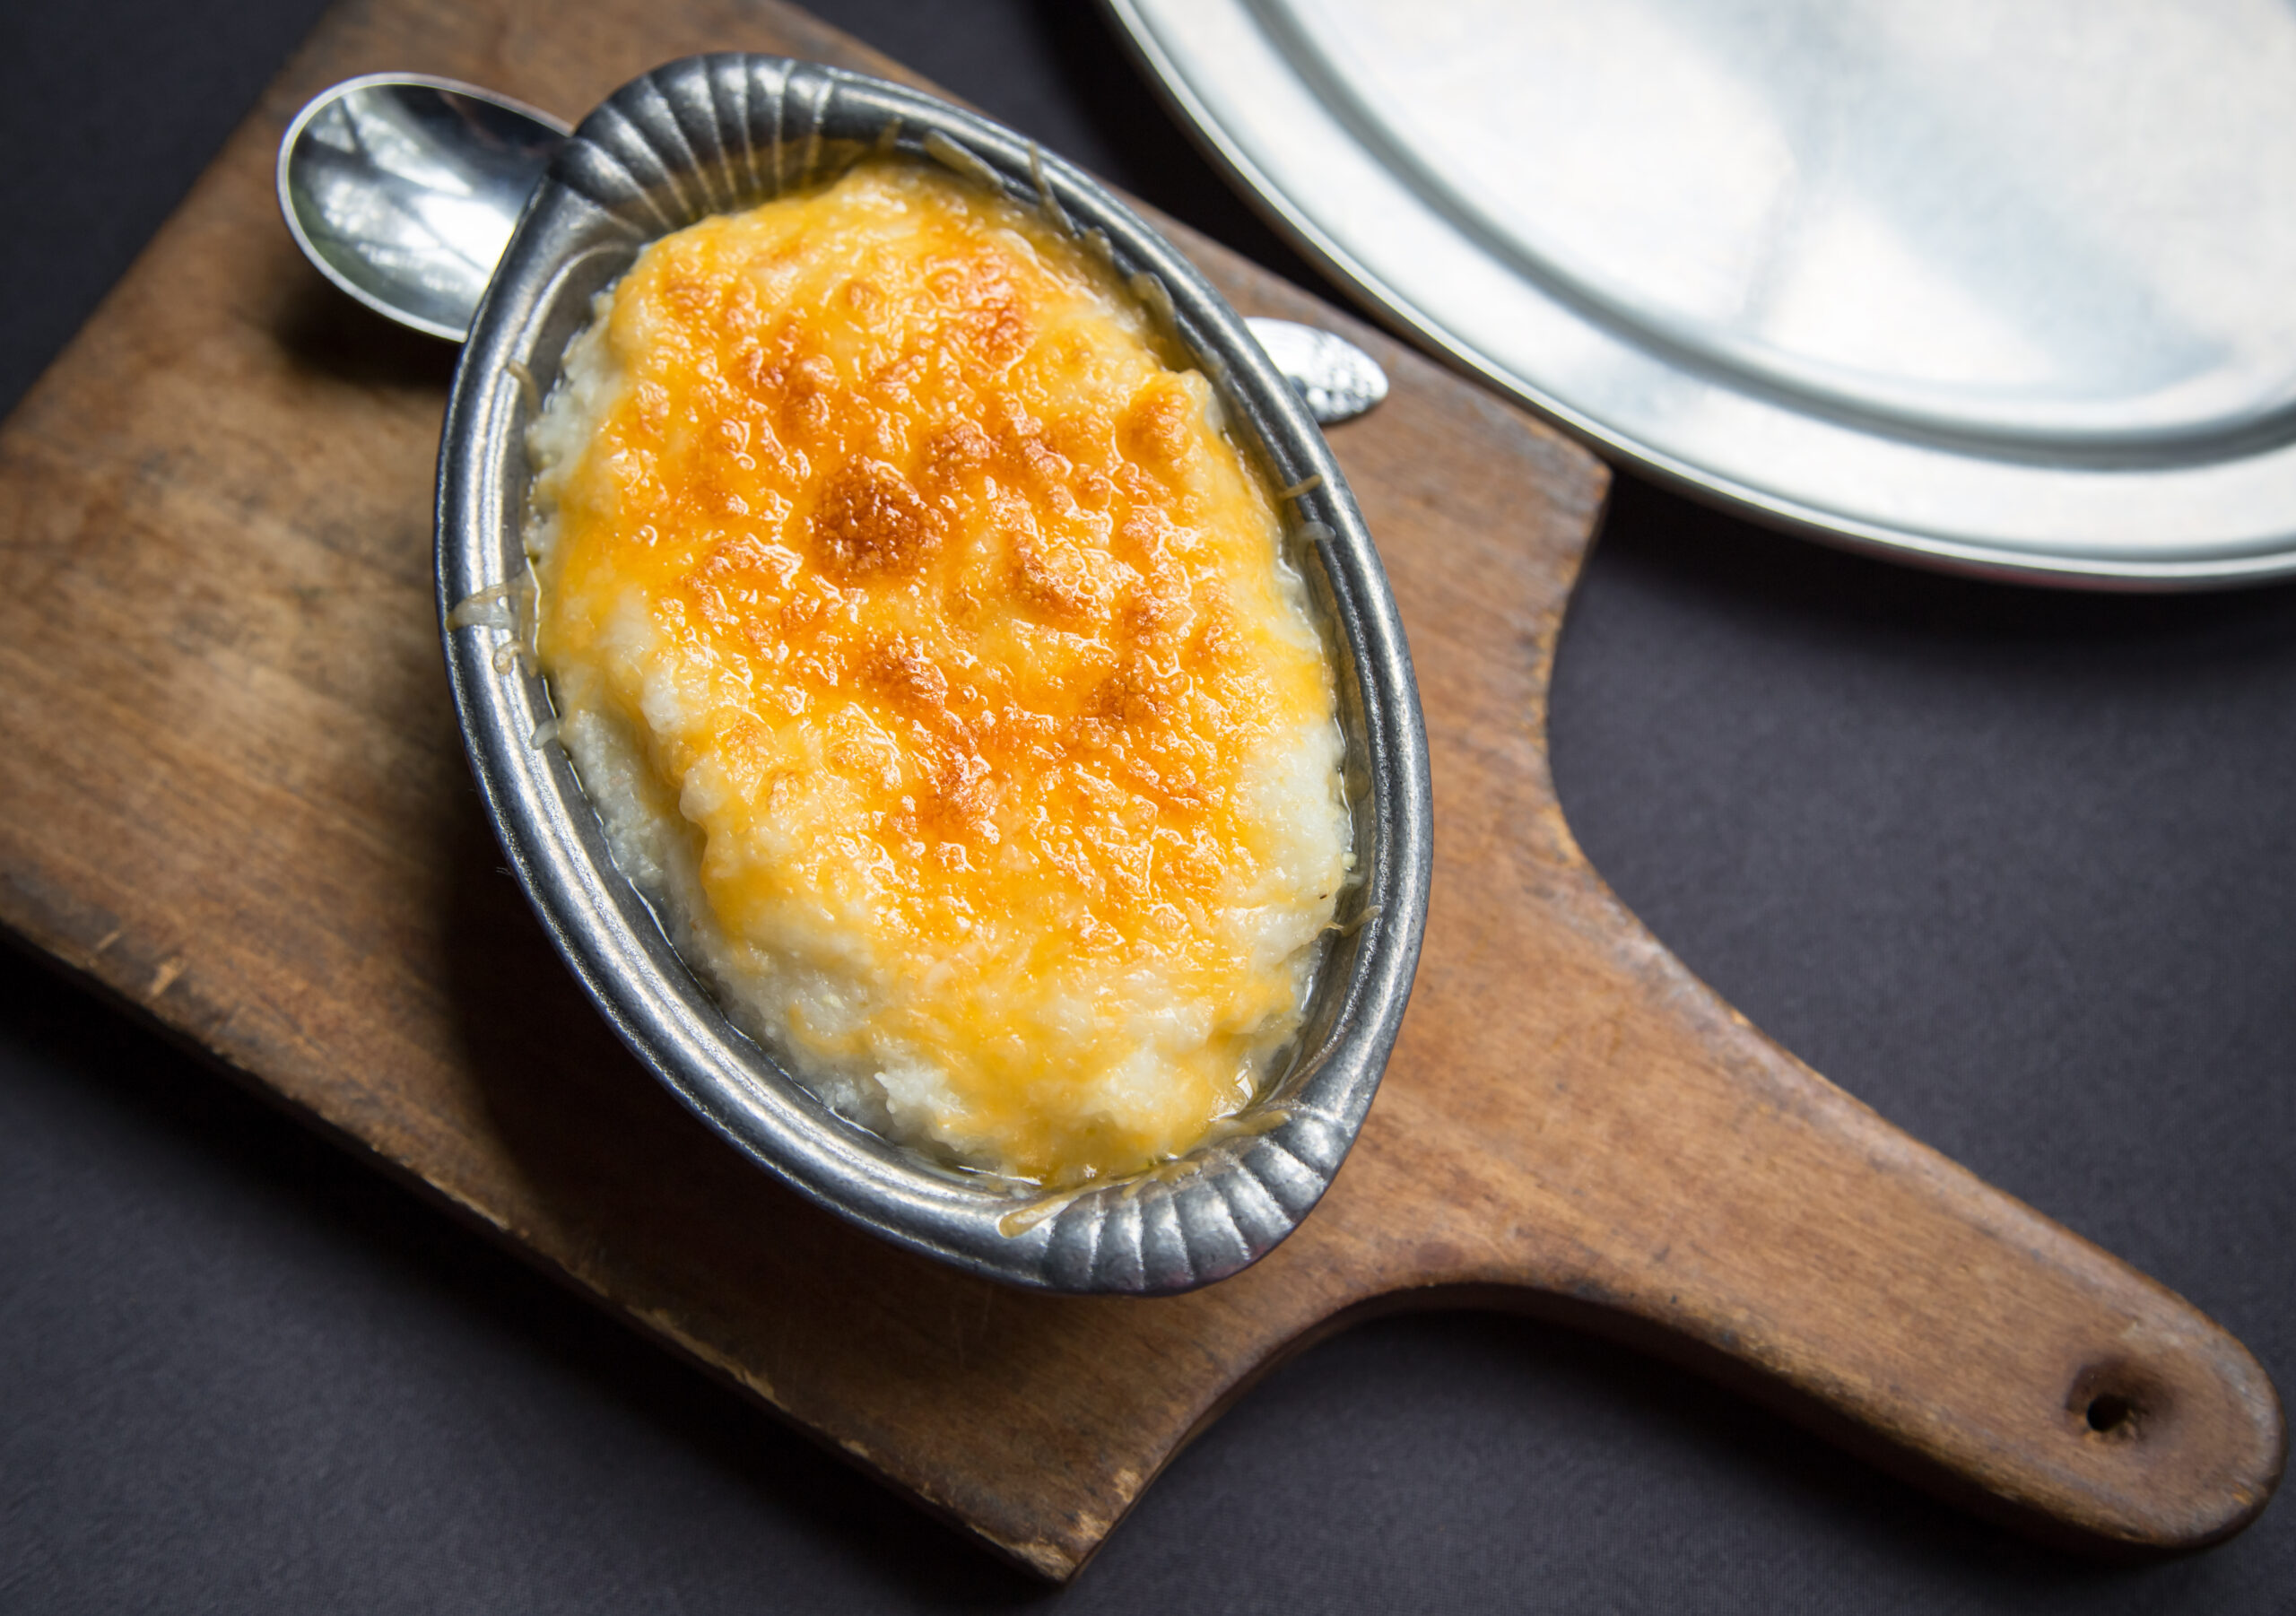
(1652,1166)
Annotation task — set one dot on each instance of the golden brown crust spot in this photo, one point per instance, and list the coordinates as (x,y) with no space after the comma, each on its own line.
(984,308)
(1056,580)
(871,523)
(1154,430)
(731,583)
(952,454)
(902,670)
(809,393)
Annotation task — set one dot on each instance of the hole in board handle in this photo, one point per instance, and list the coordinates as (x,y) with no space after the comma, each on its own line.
(2109,1413)
(2116,1400)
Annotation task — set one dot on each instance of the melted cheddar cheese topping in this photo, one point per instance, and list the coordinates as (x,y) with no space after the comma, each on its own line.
(930,652)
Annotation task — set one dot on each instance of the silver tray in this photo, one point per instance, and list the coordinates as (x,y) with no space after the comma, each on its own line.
(2003,289)
(711,134)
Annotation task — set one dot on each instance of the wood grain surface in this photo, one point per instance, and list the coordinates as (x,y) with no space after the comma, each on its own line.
(235,796)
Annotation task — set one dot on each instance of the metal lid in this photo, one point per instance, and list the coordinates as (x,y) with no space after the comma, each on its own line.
(2005,289)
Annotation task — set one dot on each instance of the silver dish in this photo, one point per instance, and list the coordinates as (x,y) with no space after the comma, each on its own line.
(1999,289)
(721,132)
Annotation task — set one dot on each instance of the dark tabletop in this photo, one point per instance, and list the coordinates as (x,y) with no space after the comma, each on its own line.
(2014,867)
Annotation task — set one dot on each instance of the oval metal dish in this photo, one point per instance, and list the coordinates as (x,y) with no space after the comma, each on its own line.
(712,133)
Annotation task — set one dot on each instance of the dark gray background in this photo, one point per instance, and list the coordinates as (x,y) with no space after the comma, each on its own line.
(2013,867)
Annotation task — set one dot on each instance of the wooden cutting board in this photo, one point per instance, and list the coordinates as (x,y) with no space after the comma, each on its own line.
(235,796)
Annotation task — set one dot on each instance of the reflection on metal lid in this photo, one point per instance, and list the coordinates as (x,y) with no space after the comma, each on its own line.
(2010,288)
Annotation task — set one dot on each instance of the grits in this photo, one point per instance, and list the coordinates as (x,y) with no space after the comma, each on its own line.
(927,651)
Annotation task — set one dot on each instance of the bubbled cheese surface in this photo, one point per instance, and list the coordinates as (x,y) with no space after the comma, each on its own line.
(928,650)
